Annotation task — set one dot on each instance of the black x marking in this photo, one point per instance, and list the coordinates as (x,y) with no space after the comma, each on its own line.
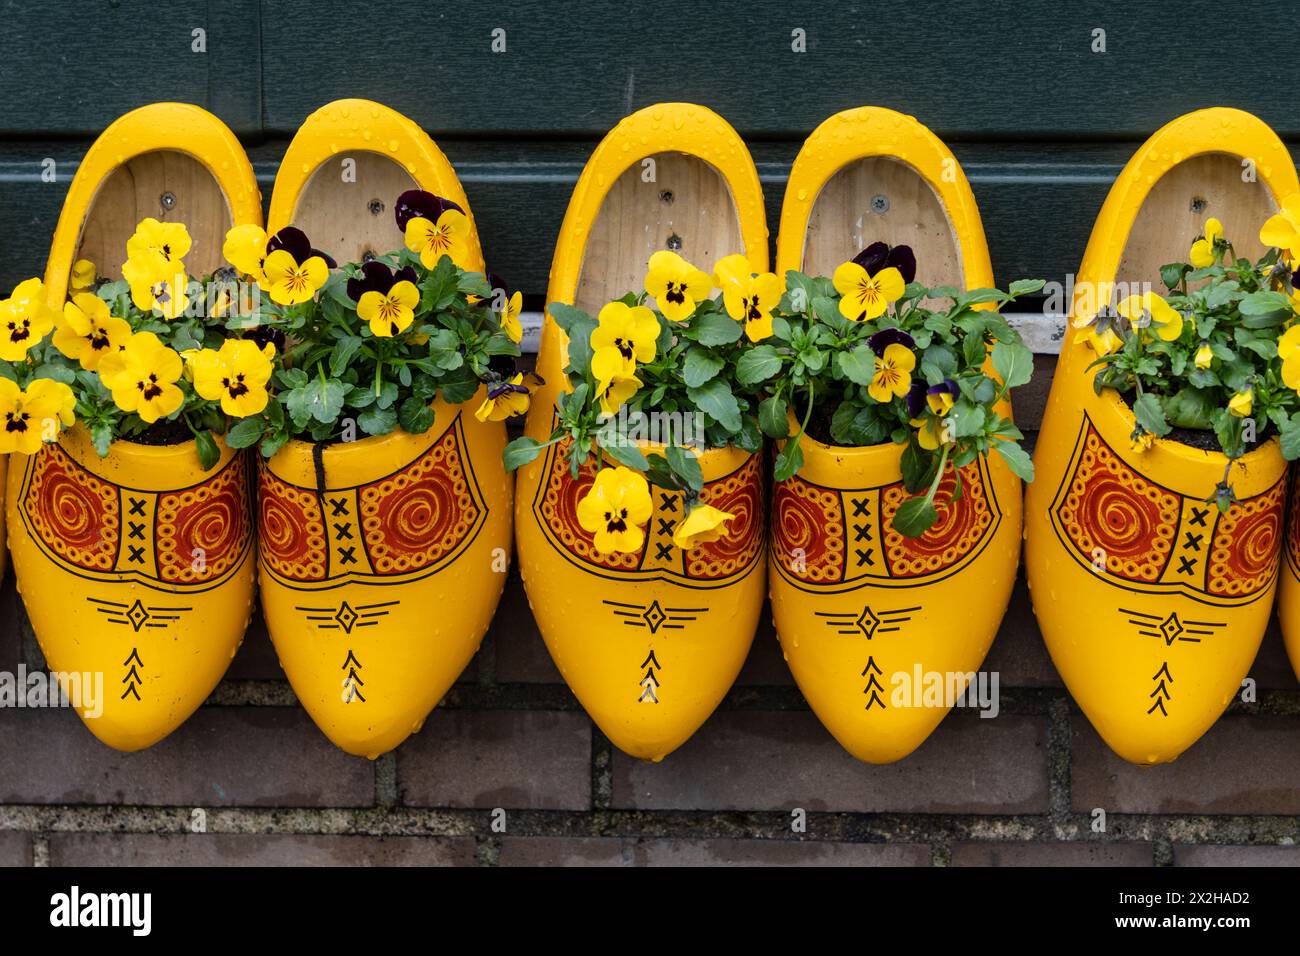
(666,525)
(1186,565)
(864,557)
(667,502)
(137,530)
(663,550)
(343,530)
(862,532)
(1198,516)
(137,506)
(346,556)
(340,506)
(136,555)
(1193,541)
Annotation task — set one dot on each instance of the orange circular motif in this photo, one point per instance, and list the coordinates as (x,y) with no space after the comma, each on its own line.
(291,530)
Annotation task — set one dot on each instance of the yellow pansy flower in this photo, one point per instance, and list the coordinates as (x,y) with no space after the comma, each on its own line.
(83,276)
(615,376)
(171,240)
(25,319)
(245,249)
(291,281)
(864,296)
(509,318)
(157,284)
(705,523)
(893,375)
(929,432)
(676,285)
(1203,253)
(616,509)
(389,312)
(1288,350)
(747,297)
(1141,441)
(85,331)
(449,236)
(1150,311)
(1103,342)
(1204,357)
(630,330)
(142,377)
(1242,403)
(504,401)
(236,374)
(1282,230)
(29,418)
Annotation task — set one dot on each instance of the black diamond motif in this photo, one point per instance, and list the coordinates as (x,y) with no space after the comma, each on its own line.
(867,622)
(654,616)
(1171,628)
(137,615)
(347,617)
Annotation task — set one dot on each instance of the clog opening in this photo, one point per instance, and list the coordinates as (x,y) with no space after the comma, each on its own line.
(665,201)
(346,207)
(1172,217)
(882,199)
(167,185)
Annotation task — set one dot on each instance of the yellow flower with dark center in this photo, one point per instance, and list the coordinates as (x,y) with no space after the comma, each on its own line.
(1242,403)
(1204,357)
(929,432)
(893,375)
(87,332)
(677,286)
(157,284)
(1203,252)
(616,380)
(1149,312)
(704,524)
(236,375)
(389,312)
(747,297)
(630,330)
(142,377)
(1288,350)
(504,401)
(291,281)
(449,236)
(509,318)
(83,276)
(25,319)
(31,417)
(864,296)
(615,510)
(245,249)
(1282,230)
(171,240)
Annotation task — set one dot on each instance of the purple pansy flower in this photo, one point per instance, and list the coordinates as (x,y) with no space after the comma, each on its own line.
(377,277)
(946,387)
(879,256)
(295,242)
(916,398)
(418,203)
(887,337)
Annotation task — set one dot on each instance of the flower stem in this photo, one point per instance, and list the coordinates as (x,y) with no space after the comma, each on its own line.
(938,475)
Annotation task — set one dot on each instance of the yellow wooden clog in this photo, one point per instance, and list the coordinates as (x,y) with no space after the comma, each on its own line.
(648,642)
(869,619)
(1153,604)
(138,567)
(383,559)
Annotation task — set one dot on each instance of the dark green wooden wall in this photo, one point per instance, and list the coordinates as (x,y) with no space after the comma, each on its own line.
(1040,121)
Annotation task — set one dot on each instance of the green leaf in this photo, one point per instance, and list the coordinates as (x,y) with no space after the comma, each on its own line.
(626,453)
(209,453)
(1290,435)
(1151,415)
(859,365)
(246,432)
(1264,303)
(699,366)
(343,352)
(757,365)
(415,416)
(1014,364)
(1173,273)
(1026,287)
(1017,459)
(789,459)
(773,417)
(686,466)
(716,328)
(917,466)
(521,451)
(377,421)
(715,399)
(915,517)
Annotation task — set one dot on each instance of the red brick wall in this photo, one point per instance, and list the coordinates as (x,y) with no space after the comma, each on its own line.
(1012,790)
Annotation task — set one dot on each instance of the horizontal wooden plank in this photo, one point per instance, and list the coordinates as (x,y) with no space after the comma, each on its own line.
(1006,70)
(71,68)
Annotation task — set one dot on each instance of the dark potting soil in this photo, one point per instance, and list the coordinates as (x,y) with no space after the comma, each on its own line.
(164,433)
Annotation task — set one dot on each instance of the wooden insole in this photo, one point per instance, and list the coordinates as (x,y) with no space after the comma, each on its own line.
(881,199)
(349,217)
(1173,215)
(688,208)
(169,186)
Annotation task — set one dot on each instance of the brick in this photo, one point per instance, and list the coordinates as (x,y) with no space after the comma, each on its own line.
(257,849)
(15,848)
(1244,764)
(628,851)
(499,758)
(521,655)
(256,658)
(1019,655)
(766,664)
(222,756)
(779,760)
(1272,668)
(1236,855)
(1052,854)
